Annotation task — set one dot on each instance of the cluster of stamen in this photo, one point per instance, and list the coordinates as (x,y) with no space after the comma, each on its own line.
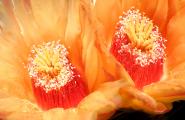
(49,67)
(145,41)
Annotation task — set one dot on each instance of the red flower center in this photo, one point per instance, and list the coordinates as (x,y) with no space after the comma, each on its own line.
(139,47)
(56,82)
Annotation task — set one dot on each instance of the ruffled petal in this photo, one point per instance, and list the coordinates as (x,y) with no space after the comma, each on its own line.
(138,100)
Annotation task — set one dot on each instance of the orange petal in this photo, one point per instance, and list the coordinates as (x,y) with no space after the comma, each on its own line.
(92,62)
(78,15)
(108,14)
(7,21)
(12,63)
(99,65)
(91,57)
(156,10)
(48,17)
(107,101)
(11,105)
(53,114)
(175,6)
(69,114)
(160,15)
(175,37)
(25,21)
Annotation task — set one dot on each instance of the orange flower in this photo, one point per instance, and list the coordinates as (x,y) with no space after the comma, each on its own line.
(55,59)
(51,66)
(154,84)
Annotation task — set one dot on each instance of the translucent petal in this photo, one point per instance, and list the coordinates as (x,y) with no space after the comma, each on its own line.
(50,16)
(7,20)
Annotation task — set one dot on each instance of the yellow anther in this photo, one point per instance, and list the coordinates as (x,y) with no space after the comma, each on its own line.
(139,30)
(47,59)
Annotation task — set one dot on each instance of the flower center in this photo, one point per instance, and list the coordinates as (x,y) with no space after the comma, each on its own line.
(139,30)
(138,45)
(48,64)
(56,82)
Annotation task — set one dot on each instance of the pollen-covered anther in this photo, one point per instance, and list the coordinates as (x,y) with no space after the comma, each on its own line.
(49,63)
(55,80)
(139,32)
(139,46)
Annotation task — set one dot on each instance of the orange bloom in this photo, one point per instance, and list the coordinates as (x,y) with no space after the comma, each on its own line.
(51,67)
(152,90)
(56,64)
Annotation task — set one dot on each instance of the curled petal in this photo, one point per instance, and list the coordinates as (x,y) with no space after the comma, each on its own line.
(170,89)
(136,99)
(107,100)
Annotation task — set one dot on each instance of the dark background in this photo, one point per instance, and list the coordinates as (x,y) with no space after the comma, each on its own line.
(177,113)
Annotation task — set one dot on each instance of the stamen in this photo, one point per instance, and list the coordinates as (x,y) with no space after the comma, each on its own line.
(138,45)
(53,76)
